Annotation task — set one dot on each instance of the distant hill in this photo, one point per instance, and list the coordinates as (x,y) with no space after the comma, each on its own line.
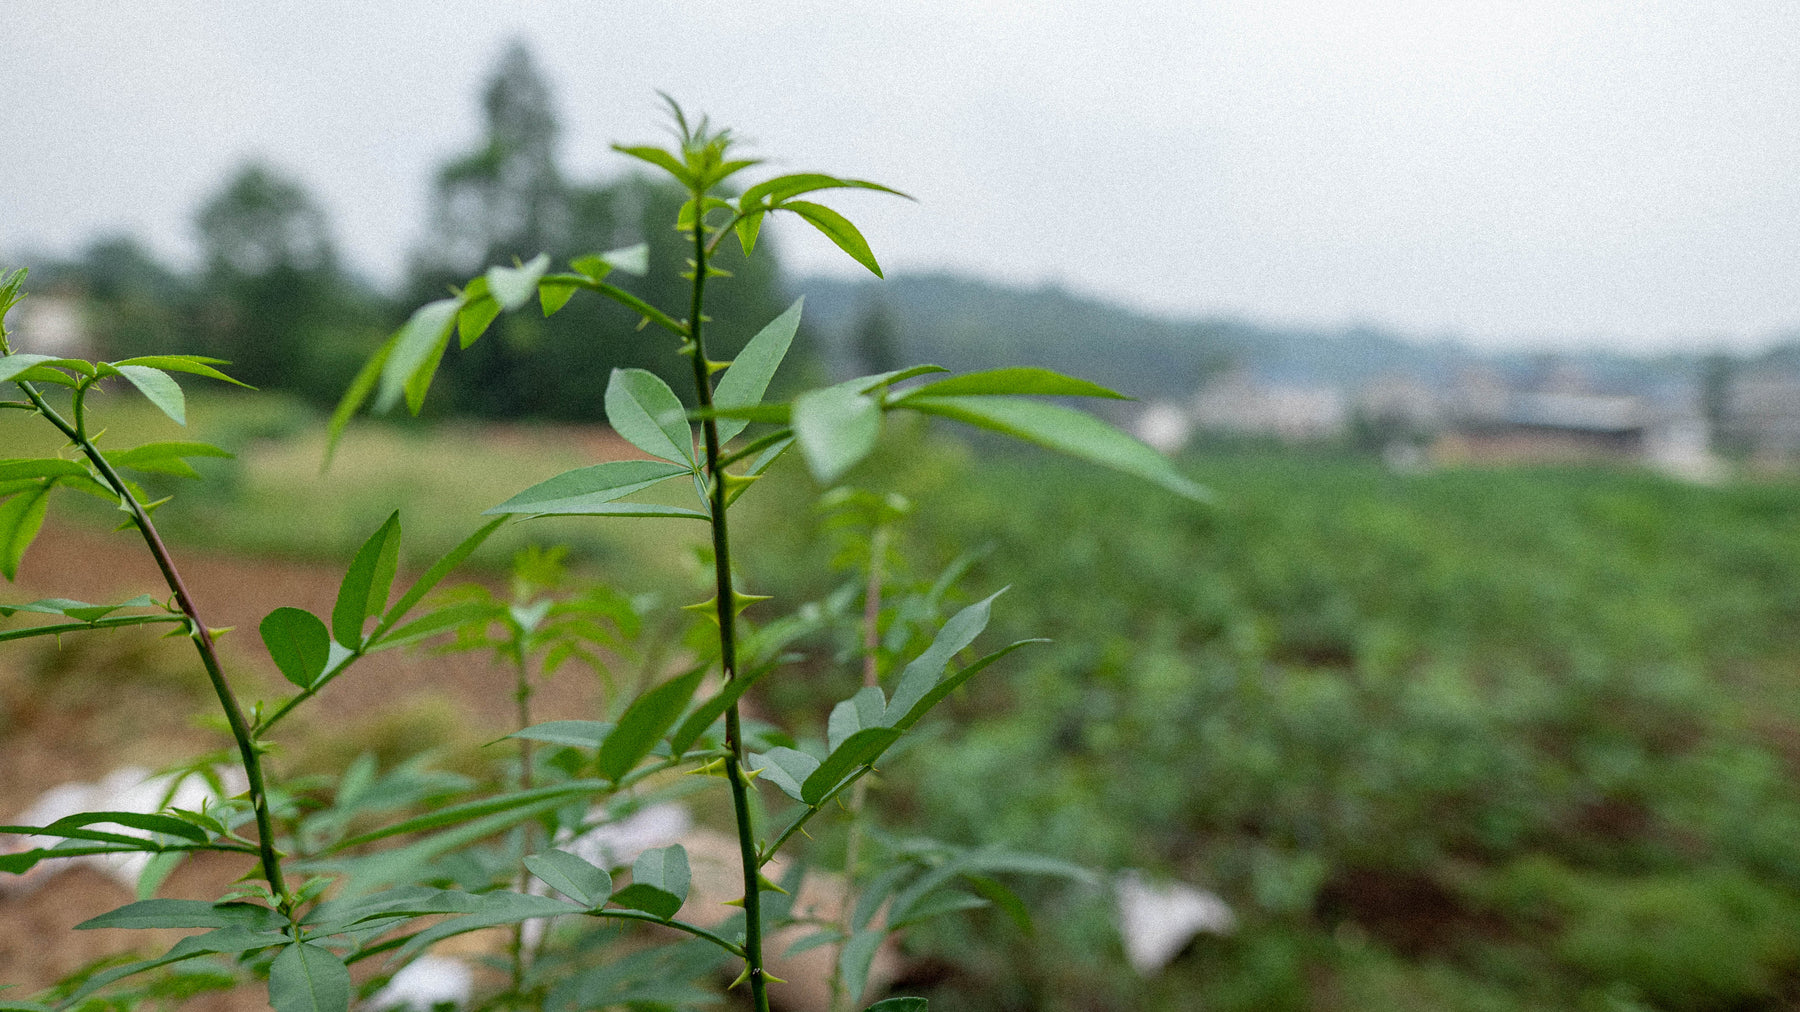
(964,323)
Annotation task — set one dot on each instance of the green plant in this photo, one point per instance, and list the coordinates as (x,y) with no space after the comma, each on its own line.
(388,863)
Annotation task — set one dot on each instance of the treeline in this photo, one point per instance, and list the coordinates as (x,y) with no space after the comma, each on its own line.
(272,295)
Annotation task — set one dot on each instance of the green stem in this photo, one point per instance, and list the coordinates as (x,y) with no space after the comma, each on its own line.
(522,782)
(199,632)
(727,615)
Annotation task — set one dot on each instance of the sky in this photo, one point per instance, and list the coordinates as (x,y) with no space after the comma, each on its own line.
(1513,173)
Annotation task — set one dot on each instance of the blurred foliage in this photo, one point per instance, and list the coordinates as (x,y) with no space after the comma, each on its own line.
(1467,739)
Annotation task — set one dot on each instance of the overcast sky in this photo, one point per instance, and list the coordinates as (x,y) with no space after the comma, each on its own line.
(1605,173)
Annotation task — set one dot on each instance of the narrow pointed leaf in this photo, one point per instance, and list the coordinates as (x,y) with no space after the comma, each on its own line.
(21,468)
(571,733)
(166,458)
(744,384)
(554,295)
(583,488)
(298,643)
(835,427)
(21,517)
(440,569)
(646,413)
(572,876)
(950,684)
(159,388)
(860,749)
(659,158)
(747,229)
(1017,380)
(475,317)
(418,344)
(1063,429)
(198,365)
(646,720)
(356,395)
(364,590)
(924,671)
(838,229)
(854,960)
(704,714)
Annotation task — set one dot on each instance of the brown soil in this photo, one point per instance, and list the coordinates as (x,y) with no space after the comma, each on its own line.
(133,699)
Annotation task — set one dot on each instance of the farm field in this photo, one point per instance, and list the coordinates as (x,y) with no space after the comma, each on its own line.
(1457,740)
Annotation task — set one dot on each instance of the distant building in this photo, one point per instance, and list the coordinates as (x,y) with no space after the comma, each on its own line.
(1239,403)
(1762,414)
(1562,421)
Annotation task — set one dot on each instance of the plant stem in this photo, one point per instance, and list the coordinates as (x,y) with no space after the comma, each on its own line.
(522,782)
(199,632)
(859,796)
(727,616)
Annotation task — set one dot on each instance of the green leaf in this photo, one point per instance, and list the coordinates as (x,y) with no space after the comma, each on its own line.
(509,804)
(835,427)
(555,294)
(572,876)
(704,714)
(439,569)
(948,685)
(646,413)
(629,509)
(418,347)
(298,643)
(356,394)
(164,824)
(475,317)
(860,749)
(922,674)
(1063,429)
(854,960)
(364,591)
(199,365)
(864,710)
(79,610)
(512,287)
(659,882)
(20,519)
(1017,380)
(945,901)
(786,768)
(659,158)
(898,1005)
(579,490)
(572,733)
(687,217)
(13,366)
(782,187)
(497,908)
(838,229)
(21,468)
(159,388)
(745,382)
(747,229)
(647,719)
(436,621)
(164,914)
(166,458)
(308,978)
(232,939)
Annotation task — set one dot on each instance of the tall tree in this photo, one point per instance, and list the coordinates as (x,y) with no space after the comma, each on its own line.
(271,275)
(507,197)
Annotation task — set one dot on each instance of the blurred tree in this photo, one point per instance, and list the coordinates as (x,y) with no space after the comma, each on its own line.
(876,339)
(271,288)
(136,305)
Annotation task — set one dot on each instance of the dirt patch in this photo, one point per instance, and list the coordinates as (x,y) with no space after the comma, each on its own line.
(107,699)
